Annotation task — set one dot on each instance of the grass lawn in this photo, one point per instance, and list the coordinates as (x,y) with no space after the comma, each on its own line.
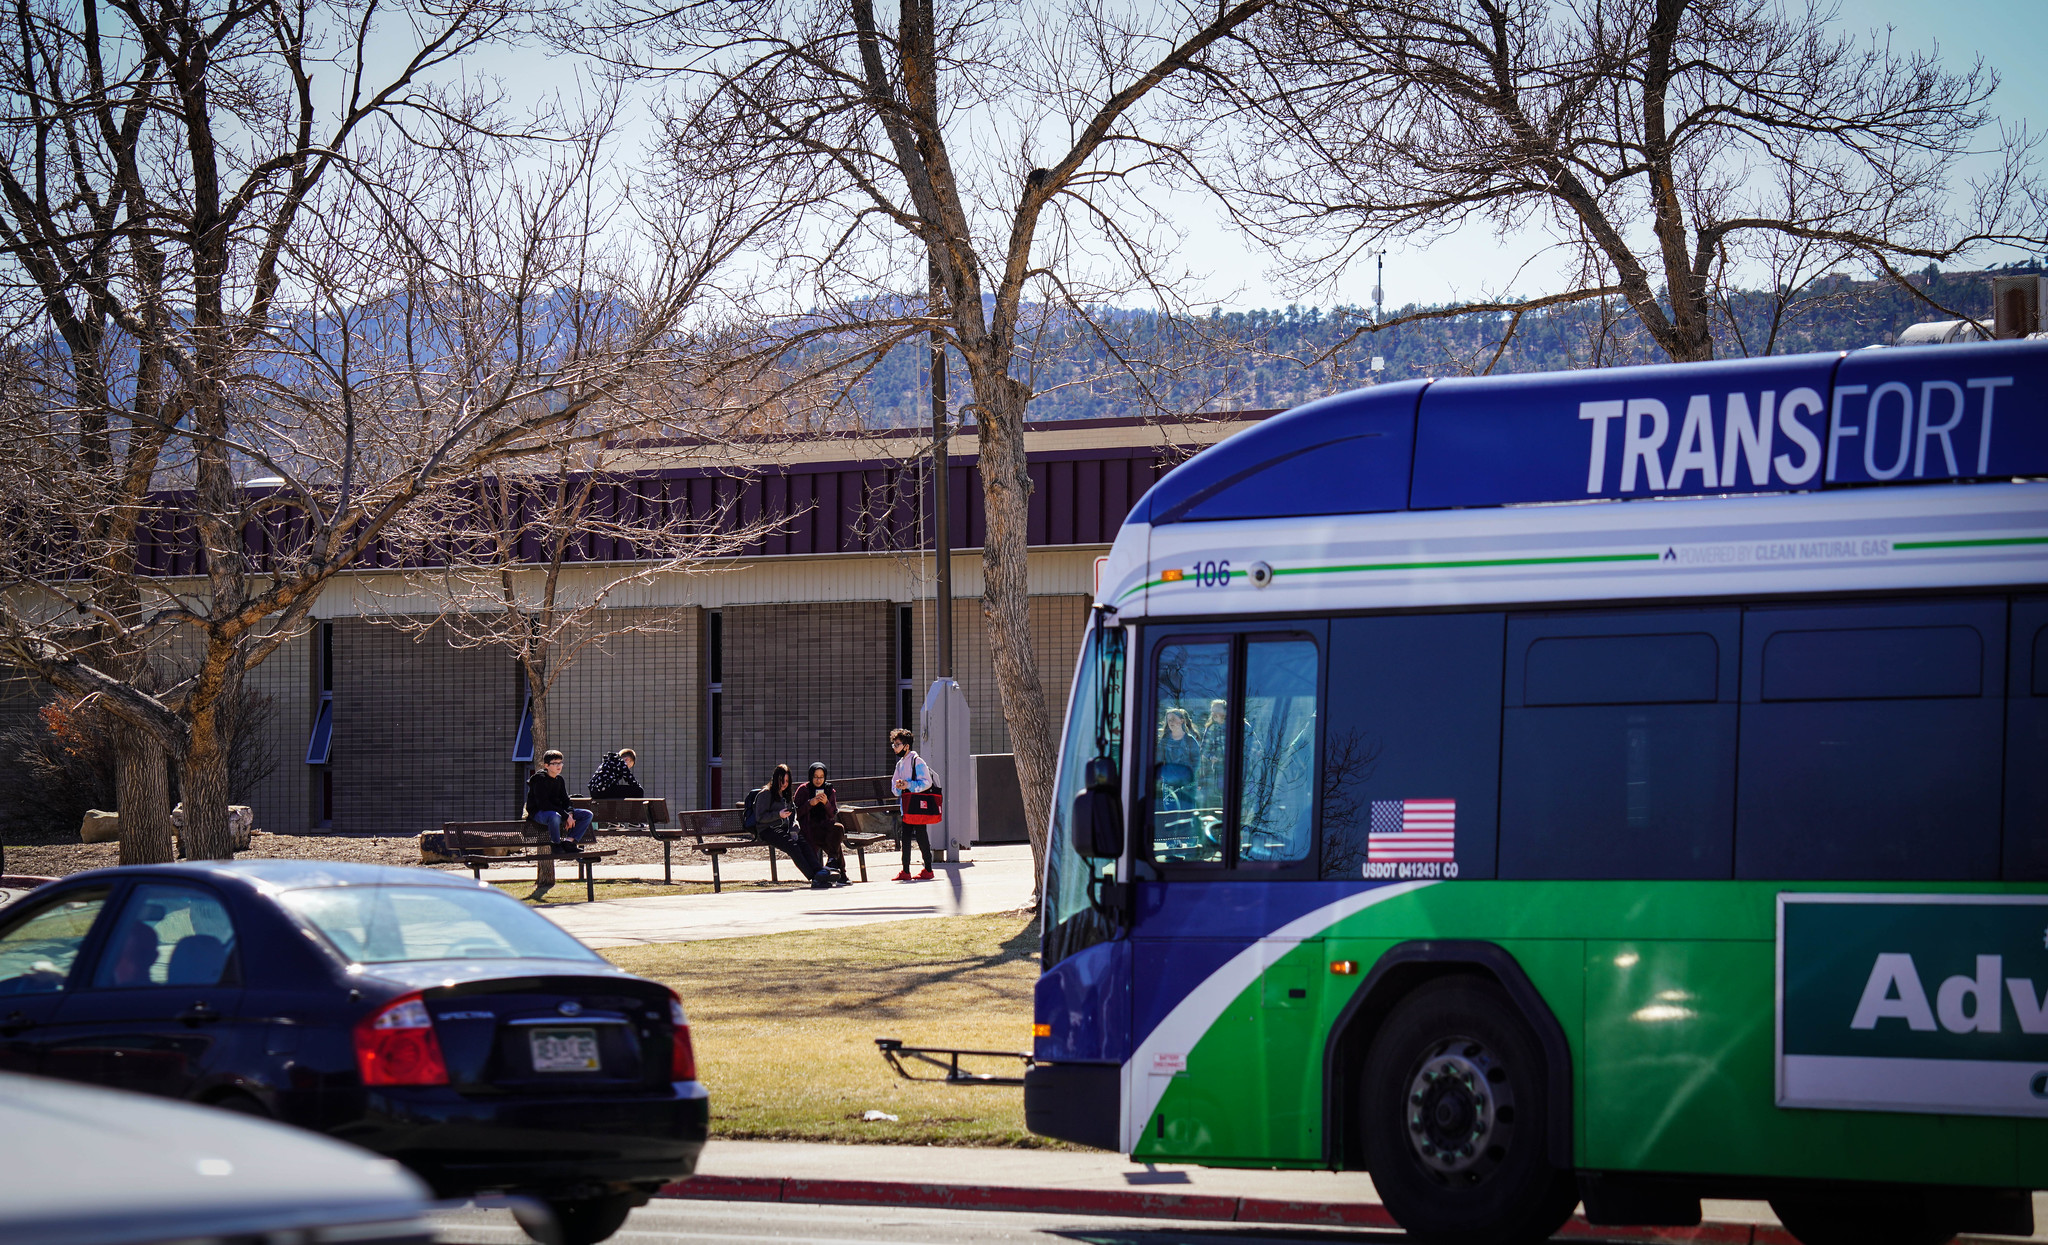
(568,889)
(785,1026)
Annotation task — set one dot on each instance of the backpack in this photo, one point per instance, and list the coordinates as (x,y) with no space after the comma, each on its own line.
(747,821)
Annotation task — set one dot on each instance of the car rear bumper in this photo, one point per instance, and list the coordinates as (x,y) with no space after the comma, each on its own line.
(463,1145)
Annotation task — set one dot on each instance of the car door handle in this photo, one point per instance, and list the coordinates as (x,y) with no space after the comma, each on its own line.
(198,1014)
(15,1023)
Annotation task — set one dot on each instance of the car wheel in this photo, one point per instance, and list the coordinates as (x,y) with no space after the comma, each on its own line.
(588,1220)
(1873,1220)
(1455,1118)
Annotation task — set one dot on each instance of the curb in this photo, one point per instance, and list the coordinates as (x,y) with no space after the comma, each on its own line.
(1137,1204)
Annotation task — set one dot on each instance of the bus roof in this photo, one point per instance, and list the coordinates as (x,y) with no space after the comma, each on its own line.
(1796,423)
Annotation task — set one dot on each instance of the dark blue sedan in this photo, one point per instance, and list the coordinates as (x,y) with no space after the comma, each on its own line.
(421,1015)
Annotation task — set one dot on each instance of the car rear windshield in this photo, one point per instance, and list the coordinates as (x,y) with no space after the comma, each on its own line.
(391,924)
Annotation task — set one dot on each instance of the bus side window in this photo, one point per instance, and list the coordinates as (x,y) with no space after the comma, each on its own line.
(1190,731)
(2026,745)
(1277,756)
(1619,745)
(1414,723)
(1872,741)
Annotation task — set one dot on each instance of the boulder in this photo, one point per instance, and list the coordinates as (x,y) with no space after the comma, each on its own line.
(241,823)
(99,827)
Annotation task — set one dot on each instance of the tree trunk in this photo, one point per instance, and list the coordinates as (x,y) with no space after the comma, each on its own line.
(1006,601)
(203,785)
(544,868)
(142,792)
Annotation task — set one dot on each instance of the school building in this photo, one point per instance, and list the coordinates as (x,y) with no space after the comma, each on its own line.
(809,647)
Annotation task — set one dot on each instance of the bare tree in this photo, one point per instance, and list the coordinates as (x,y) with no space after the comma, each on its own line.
(534,558)
(1669,147)
(299,270)
(967,170)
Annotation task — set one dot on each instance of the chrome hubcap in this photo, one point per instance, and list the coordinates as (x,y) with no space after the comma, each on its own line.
(1460,1111)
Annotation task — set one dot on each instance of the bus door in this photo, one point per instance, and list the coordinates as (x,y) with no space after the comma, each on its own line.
(1223,995)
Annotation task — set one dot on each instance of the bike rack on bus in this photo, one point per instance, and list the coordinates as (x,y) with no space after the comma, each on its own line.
(947,1059)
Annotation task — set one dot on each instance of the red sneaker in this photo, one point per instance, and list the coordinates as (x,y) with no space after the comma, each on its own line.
(925,874)
(905,875)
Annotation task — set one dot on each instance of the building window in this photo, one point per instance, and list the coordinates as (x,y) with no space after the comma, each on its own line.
(715,711)
(320,745)
(906,687)
(522,739)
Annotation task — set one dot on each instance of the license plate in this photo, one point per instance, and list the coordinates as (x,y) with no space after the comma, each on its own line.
(564,1050)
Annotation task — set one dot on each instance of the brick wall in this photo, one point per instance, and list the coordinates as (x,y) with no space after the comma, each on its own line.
(1056,625)
(641,688)
(807,682)
(422,731)
(283,801)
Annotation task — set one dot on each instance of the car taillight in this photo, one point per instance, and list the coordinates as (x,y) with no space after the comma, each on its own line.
(682,1061)
(395,1045)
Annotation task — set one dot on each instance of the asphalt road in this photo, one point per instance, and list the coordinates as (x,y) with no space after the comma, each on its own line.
(747,1223)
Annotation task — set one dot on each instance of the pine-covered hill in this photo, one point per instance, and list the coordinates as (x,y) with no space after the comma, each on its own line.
(1136,363)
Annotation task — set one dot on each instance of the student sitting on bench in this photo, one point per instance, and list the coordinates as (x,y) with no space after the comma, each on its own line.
(547,805)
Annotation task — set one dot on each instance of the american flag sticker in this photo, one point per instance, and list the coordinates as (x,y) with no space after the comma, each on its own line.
(1407,832)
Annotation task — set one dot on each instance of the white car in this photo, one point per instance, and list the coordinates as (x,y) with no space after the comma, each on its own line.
(80,1165)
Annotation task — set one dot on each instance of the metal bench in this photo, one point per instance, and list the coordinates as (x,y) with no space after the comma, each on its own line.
(716,831)
(635,816)
(870,814)
(467,841)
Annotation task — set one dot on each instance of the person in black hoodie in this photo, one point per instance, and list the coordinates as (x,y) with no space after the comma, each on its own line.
(775,822)
(547,804)
(614,778)
(817,811)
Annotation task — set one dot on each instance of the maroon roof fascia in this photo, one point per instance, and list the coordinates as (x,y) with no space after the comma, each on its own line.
(1079,497)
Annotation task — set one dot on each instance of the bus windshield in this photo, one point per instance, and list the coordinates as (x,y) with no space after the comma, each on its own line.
(1094,727)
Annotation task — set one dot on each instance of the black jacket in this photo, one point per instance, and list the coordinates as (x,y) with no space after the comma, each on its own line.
(546,793)
(614,780)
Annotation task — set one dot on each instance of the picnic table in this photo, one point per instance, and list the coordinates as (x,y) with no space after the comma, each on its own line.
(870,817)
(635,815)
(467,841)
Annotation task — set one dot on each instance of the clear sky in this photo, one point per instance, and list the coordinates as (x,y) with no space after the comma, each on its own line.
(2012,36)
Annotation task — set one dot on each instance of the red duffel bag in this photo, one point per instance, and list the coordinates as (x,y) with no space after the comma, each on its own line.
(923,808)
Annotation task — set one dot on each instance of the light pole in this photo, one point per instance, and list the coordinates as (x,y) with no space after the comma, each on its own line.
(946,719)
(942,535)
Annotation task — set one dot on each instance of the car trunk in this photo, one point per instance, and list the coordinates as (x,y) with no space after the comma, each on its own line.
(553,1034)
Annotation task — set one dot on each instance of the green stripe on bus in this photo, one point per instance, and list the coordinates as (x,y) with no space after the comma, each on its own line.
(1155,583)
(1438,566)
(1970,544)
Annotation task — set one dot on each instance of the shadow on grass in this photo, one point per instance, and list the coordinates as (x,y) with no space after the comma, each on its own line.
(891,972)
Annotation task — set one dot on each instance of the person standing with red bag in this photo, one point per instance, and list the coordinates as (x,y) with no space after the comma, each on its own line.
(912,774)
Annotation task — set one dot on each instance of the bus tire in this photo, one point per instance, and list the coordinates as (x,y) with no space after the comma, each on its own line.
(1454,1117)
(1871,1219)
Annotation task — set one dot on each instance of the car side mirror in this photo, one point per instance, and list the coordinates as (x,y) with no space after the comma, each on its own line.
(1099,813)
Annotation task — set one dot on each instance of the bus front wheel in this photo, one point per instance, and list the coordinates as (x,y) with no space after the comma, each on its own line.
(1454,1118)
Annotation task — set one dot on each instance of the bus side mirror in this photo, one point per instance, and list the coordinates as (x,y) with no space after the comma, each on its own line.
(1099,813)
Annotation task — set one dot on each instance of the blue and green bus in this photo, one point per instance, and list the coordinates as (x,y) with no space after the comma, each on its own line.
(1618,787)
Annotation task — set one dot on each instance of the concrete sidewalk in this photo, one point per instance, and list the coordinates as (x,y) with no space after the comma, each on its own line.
(1098,1183)
(987,879)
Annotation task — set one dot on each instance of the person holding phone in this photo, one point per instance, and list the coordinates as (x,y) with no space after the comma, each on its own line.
(817,811)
